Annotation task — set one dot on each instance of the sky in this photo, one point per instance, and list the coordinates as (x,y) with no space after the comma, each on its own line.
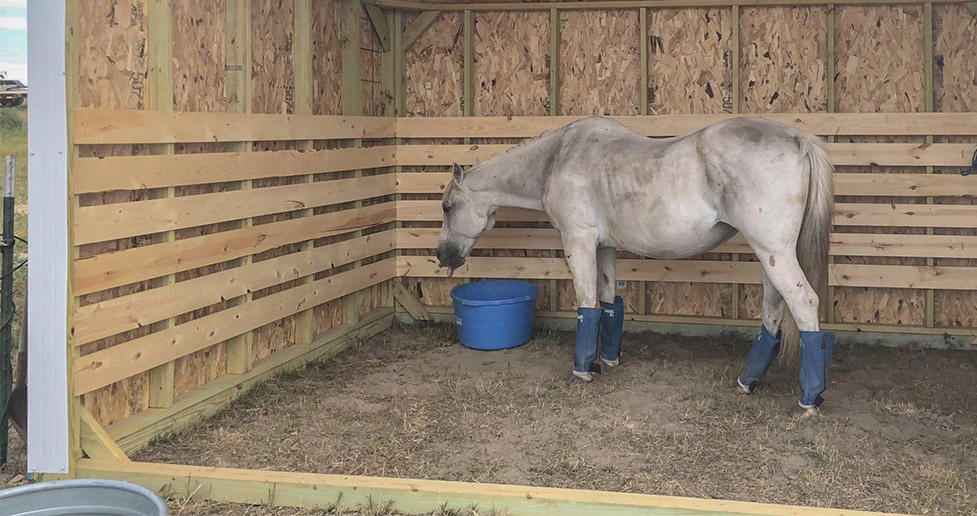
(13,38)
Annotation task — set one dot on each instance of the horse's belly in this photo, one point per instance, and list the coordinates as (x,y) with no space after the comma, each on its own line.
(672,244)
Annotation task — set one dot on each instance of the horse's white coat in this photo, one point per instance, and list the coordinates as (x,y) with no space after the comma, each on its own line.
(606,188)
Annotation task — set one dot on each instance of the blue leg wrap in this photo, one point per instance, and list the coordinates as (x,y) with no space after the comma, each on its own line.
(816,347)
(611,327)
(585,349)
(765,349)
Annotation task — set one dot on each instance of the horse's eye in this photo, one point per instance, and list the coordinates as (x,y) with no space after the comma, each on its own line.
(446,208)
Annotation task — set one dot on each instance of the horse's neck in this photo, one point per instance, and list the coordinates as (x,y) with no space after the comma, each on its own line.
(515,178)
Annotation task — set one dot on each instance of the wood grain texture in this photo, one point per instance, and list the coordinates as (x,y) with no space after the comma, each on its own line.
(600,63)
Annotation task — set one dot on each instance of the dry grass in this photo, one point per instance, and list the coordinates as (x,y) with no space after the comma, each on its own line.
(899,433)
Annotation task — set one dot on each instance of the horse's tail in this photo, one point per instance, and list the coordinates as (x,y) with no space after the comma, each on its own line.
(814,238)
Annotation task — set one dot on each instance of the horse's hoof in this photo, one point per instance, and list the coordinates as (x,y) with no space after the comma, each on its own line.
(610,363)
(584,377)
(805,412)
(744,389)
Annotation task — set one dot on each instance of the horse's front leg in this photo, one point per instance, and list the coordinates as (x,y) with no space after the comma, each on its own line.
(581,253)
(612,306)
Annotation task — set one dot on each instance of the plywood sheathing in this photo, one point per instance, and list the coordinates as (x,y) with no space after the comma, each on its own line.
(112,71)
(434,69)
(326,57)
(880,68)
(689,72)
(689,61)
(198,85)
(955,90)
(511,73)
(600,62)
(272,82)
(784,59)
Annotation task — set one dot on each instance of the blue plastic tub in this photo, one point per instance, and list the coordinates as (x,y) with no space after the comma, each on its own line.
(494,314)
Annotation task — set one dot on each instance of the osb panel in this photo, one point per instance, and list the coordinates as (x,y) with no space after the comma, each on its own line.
(198,55)
(690,299)
(272,82)
(879,69)
(272,338)
(115,402)
(433,292)
(112,54)
(435,66)
(373,103)
(600,62)
(955,89)
(690,61)
(371,298)
(327,57)
(511,72)
(784,59)
(199,368)
(750,301)
(879,58)
(690,72)
(327,315)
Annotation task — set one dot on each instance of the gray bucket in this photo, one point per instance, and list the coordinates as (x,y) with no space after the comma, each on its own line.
(81,497)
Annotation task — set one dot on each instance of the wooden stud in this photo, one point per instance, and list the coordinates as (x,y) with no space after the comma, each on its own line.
(72,101)
(160,46)
(735,42)
(95,441)
(418,27)
(645,72)
(304,86)
(554,110)
(928,87)
(468,92)
(830,302)
(238,91)
(352,104)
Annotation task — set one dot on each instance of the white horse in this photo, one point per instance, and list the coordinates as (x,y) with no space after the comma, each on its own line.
(606,188)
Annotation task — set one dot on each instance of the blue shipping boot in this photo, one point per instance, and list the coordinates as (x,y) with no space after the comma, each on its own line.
(816,347)
(585,348)
(611,328)
(765,349)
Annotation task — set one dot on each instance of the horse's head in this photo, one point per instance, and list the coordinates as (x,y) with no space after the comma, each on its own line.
(468,215)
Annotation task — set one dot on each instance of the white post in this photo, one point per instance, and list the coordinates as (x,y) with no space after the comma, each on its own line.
(47,185)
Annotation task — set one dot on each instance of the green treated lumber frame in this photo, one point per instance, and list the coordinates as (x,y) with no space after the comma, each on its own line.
(418,27)
(626,4)
(416,496)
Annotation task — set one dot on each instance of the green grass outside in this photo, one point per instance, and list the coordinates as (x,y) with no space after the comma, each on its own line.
(13,142)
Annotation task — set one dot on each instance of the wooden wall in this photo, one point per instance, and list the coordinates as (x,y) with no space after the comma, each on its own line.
(711,61)
(116,51)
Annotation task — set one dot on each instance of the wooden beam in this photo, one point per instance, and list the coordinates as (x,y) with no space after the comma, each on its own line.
(847,124)
(129,358)
(417,27)
(842,244)
(352,104)
(554,49)
(96,126)
(928,91)
(114,221)
(468,92)
(379,22)
(410,303)
(878,154)
(416,496)
(95,441)
(140,263)
(829,304)
(135,432)
(643,31)
(630,4)
(116,315)
(103,174)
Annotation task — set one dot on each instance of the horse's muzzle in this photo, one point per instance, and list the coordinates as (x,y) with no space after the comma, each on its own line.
(450,256)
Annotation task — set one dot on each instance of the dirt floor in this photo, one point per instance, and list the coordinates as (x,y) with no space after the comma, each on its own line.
(898,434)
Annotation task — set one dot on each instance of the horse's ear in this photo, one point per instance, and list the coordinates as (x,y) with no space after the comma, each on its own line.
(457,172)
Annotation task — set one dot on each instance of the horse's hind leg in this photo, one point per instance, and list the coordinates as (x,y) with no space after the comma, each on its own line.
(612,306)
(767,344)
(581,253)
